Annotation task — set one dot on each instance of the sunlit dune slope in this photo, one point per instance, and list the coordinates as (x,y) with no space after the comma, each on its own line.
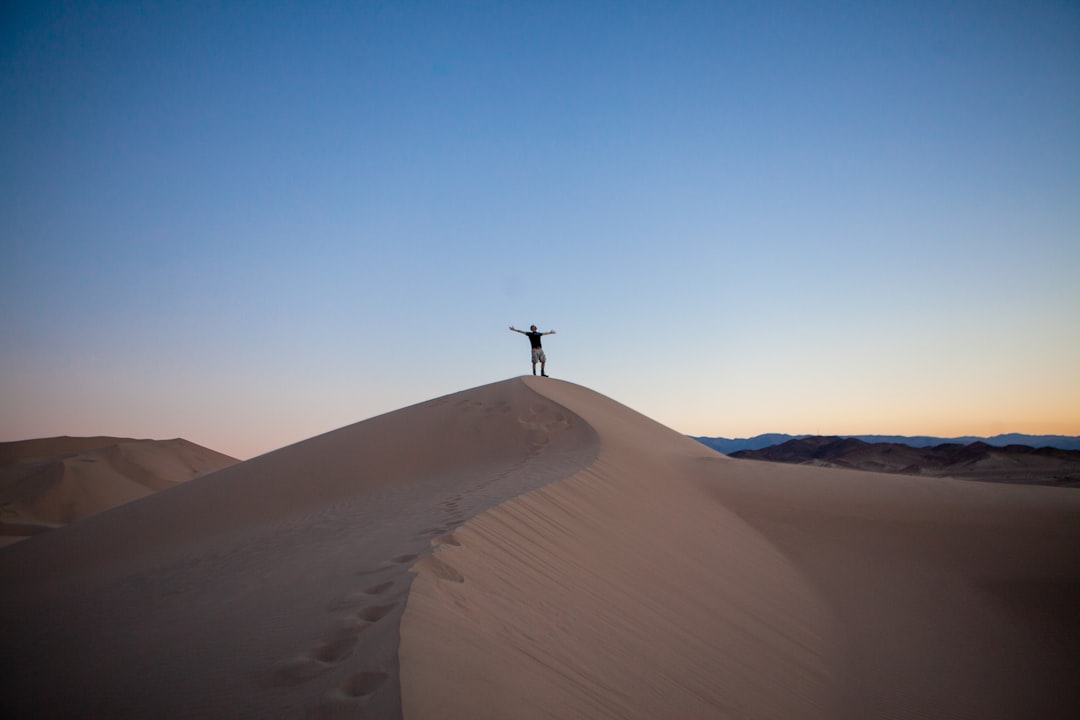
(665,580)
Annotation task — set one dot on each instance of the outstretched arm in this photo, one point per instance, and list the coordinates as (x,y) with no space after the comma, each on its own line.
(549,332)
(516,330)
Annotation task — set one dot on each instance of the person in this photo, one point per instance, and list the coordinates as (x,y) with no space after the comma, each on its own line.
(537,349)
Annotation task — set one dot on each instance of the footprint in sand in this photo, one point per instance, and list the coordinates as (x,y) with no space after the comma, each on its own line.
(363,684)
(336,650)
(440,569)
(363,598)
(448,539)
(338,646)
(542,419)
(322,657)
(374,613)
(349,699)
(380,588)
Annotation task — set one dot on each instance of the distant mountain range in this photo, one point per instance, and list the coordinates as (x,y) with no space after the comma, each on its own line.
(758,442)
(1012,463)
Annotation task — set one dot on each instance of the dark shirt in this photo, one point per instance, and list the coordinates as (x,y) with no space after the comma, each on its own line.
(534,338)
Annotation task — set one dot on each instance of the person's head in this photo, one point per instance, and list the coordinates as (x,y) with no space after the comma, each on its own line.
(533,328)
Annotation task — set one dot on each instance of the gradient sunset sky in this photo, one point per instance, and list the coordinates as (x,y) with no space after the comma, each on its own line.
(245,223)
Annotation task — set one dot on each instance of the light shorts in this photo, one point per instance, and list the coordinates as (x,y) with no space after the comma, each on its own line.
(538,356)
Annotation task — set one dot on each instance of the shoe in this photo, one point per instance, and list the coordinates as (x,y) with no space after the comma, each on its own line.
(544,375)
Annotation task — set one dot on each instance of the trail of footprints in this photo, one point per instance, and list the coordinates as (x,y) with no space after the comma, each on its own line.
(379,600)
(538,421)
(359,612)
(370,606)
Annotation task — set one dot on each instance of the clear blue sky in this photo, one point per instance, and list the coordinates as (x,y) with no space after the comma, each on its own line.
(247,226)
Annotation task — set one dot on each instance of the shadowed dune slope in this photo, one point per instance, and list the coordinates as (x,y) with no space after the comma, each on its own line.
(49,482)
(272,588)
(667,581)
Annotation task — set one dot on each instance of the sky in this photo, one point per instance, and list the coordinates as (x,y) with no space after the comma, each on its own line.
(246,224)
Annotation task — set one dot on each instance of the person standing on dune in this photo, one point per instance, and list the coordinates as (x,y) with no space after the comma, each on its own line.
(537,350)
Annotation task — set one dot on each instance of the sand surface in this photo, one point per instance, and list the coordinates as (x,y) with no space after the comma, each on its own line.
(665,581)
(272,588)
(50,482)
(531,549)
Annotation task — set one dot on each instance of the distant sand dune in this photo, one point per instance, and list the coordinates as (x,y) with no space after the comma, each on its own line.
(51,482)
(531,549)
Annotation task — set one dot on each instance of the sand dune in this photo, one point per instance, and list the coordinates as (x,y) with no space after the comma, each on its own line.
(530,549)
(626,591)
(667,581)
(272,588)
(50,482)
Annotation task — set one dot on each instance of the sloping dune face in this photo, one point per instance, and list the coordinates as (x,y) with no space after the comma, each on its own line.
(273,588)
(666,581)
(50,482)
(626,591)
(954,599)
